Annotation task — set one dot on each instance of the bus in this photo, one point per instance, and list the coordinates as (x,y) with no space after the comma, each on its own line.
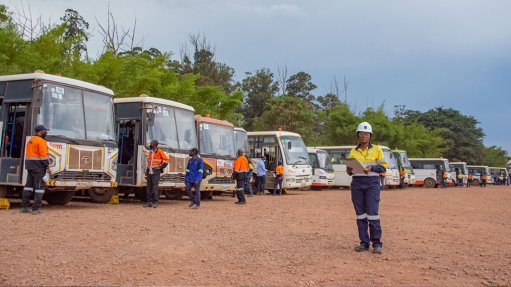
(241,140)
(217,149)
(460,167)
(287,147)
(142,119)
(322,170)
(81,137)
(476,171)
(500,175)
(337,156)
(392,177)
(429,171)
(403,162)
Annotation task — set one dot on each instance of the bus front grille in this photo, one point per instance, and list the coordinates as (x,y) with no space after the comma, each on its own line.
(169,177)
(80,175)
(221,180)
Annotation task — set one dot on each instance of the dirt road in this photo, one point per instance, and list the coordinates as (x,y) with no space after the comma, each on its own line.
(431,237)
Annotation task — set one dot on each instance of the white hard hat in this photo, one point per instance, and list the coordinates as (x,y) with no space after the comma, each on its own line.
(365,127)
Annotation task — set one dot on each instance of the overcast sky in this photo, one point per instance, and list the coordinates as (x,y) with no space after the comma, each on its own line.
(421,54)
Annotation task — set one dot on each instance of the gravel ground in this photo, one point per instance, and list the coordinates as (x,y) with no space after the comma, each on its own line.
(431,237)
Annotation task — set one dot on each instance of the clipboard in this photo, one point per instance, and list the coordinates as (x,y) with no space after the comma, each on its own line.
(356,166)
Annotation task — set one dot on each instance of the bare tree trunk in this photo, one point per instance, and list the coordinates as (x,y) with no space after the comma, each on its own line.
(282,79)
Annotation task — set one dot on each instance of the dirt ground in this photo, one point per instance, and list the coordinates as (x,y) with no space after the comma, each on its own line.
(457,237)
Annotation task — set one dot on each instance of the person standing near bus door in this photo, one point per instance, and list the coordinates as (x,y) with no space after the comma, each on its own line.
(445,175)
(470,177)
(261,176)
(240,174)
(365,189)
(193,177)
(249,178)
(157,160)
(484,178)
(279,178)
(37,161)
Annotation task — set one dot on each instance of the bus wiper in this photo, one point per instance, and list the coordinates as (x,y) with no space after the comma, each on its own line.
(64,137)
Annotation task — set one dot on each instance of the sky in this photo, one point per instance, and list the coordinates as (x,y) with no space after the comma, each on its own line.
(418,53)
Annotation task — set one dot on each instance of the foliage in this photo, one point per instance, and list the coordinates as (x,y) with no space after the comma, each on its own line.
(495,156)
(258,88)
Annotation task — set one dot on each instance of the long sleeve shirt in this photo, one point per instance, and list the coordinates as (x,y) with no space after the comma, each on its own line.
(261,168)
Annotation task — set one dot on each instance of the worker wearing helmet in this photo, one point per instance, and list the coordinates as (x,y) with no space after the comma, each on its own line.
(365,188)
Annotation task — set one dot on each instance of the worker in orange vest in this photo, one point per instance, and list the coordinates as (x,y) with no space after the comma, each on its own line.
(484,179)
(279,178)
(402,175)
(470,177)
(445,175)
(37,161)
(240,174)
(157,160)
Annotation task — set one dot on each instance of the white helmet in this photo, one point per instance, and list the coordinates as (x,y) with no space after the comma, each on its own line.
(365,127)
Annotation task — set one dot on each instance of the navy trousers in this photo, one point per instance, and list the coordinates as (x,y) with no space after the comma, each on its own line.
(194,198)
(365,195)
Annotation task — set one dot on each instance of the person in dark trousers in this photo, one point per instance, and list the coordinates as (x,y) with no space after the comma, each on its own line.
(470,177)
(445,175)
(193,178)
(248,182)
(240,174)
(261,176)
(484,178)
(157,160)
(365,188)
(279,177)
(37,161)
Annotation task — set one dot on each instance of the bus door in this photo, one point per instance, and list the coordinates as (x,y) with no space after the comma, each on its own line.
(14,123)
(128,135)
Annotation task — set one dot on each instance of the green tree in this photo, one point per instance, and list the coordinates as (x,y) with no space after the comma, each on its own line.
(258,88)
(495,156)
(339,126)
(75,32)
(300,85)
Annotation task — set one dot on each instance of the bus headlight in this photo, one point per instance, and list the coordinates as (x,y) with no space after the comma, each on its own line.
(322,177)
(113,165)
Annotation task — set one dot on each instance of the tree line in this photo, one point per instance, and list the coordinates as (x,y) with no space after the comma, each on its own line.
(260,101)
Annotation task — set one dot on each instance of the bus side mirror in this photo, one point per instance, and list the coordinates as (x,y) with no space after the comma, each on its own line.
(150,119)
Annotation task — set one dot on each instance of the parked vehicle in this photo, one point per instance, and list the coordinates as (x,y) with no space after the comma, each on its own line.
(287,147)
(459,167)
(337,156)
(81,136)
(322,170)
(500,175)
(142,119)
(476,171)
(217,149)
(392,178)
(404,163)
(429,171)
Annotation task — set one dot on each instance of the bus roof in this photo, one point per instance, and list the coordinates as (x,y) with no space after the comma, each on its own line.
(314,150)
(458,162)
(153,100)
(398,150)
(336,147)
(57,79)
(200,118)
(240,129)
(483,166)
(274,133)
(425,158)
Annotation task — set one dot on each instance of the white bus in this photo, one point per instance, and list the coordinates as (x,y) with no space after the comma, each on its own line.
(477,171)
(322,170)
(429,171)
(337,156)
(241,140)
(392,178)
(142,119)
(287,147)
(459,167)
(81,136)
(404,163)
(500,175)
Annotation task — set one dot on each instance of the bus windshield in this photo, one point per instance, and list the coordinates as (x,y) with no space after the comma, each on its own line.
(324,160)
(62,112)
(390,159)
(216,139)
(186,132)
(337,156)
(294,150)
(240,140)
(173,127)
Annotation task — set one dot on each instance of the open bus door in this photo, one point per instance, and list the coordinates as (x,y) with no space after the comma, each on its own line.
(128,134)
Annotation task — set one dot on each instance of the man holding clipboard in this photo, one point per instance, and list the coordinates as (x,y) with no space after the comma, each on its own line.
(365,162)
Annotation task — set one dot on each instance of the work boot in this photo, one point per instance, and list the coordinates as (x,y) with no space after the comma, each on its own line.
(154,205)
(377,249)
(361,248)
(191,204)
(36,212)
(24,210)
(147,204)
(195,206)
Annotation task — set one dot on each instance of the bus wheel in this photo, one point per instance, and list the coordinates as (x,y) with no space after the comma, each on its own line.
(476,182)
(173,194)
(206,195)
(429,183)
(101,195)
(59,197)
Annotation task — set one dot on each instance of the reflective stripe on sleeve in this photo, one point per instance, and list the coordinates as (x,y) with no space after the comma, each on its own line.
(28,188)
(37,158)
(373,217)
(362,216)
(200,170)
(39,190)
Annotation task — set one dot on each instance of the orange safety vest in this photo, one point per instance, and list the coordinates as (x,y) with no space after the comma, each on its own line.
(279,170)
(156,158)
(403,173)
(36,154)
(470,176)
(485,177)
(445,175)
(241,164)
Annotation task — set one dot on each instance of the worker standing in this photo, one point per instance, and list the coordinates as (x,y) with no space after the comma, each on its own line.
(470,177)
(261,176)
(365,188)
(240,174)
(37,161)
(157,160)
(445,175)
(193,178)
(402,175)
(279,178)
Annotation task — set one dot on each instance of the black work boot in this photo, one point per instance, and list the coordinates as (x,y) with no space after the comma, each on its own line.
(361,248)
(377,249)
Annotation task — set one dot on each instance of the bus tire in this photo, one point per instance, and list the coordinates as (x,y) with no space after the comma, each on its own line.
(206,195)
(173,194)
(101,195)
(429,183)
(59,197)
(475,182)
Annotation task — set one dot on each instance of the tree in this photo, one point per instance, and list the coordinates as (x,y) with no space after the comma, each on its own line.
(258,88)
(75,31)
(328,101)
(300,85)
(462,137)
(495,156)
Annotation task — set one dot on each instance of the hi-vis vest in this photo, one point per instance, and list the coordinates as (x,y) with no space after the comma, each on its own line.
(36,154)
(241,164)
(156,158)
(373,155)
